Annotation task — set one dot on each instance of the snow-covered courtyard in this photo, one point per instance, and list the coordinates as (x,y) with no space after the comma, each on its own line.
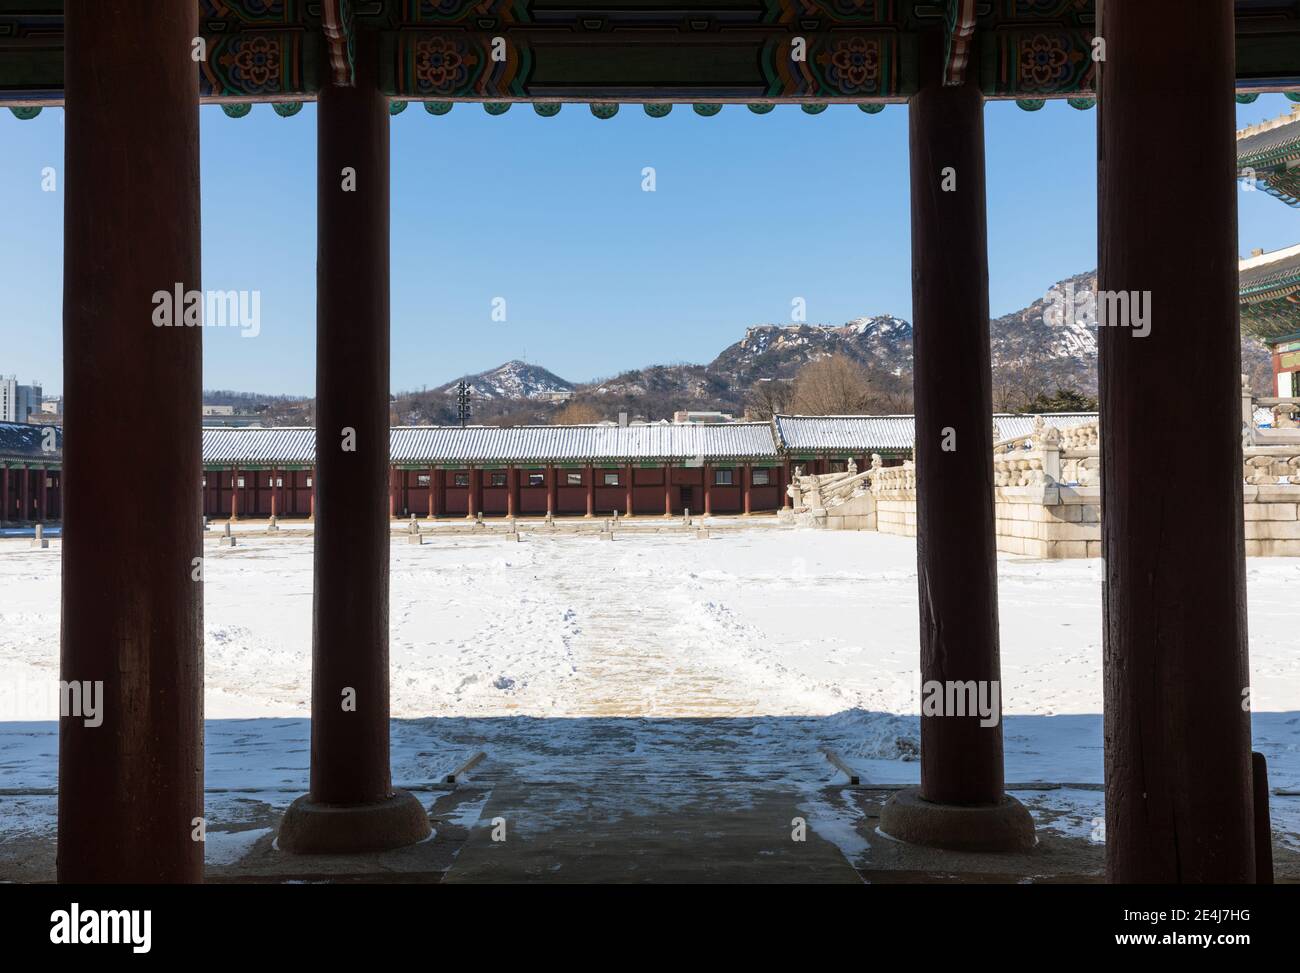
(780,642)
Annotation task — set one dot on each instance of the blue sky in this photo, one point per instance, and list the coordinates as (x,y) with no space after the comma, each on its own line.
(750,211)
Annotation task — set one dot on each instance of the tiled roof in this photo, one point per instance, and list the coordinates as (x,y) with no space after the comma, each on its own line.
(1278,138)
(471,444)
(1259,276)
(22,441)
(725,440)
(863,434)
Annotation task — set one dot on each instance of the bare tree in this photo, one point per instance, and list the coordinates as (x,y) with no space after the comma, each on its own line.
(578,414)
(836,385)
(767,397)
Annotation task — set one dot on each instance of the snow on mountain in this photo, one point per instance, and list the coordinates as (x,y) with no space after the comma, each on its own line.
(513,380)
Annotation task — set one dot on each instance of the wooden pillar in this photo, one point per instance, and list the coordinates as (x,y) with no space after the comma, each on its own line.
(352,805)
(512,481)
(392,493)
(131,787)
(961,761)
(275,491)
(748,475)
(784,484)
(1178,773)
(591,490)
(550,489)
(234,493)
(439,492)
(708,490)
(630,493)
(429,513)
(471,494)
(40,494)
(4,496)
(311,497)
(668,490)
(25,495)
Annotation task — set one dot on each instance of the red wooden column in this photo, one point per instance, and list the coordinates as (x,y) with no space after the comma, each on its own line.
(708,490)
(275,491)
(550,489)
(433,478)
(960,802)
(352,805)
(785,484)
(1178,763)
(512,481)
(748,474)
(131,787)
(439,492)
(25,495)
(311,497)
(668,490)
(591,490)
(40,494)
(234,493)
(392,493)
(471,494)
(4,496)
(629,500)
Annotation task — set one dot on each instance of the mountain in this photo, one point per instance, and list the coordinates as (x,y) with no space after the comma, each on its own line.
(774,351)
(513,380)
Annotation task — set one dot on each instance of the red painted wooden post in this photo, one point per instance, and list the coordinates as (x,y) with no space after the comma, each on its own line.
(708,490)
(26,509)
(749,479)
(439,492)
(785,484)
(668,490)
(275,491)
(428,513)
(512,481)
(629,503)
(234,493)
(311,499)
(392,493)
(591,490)
(40,494)
(471,493)
(1175,668)
(4,493)
(352,805)
(130,788)
(961,761)
(550,489)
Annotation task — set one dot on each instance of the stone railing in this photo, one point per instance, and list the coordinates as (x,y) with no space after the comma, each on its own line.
(1047,493)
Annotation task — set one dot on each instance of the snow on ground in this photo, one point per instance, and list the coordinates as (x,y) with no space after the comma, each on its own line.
(805,639)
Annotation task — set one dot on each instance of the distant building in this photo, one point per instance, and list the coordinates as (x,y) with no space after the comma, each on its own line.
(17,402)
(680,417)
(53,406)
(218,410)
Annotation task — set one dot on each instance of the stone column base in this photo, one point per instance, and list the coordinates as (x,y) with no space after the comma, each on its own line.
(1006,826)
(309,828)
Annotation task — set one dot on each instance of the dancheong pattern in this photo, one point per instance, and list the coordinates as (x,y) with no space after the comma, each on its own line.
(452,65)
(253,64)
(856,65)
(1045,62)
(260,12)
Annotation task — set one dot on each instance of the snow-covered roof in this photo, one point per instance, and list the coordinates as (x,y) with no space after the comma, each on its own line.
(862,434)
(518,444)
(722,440)
(23,441)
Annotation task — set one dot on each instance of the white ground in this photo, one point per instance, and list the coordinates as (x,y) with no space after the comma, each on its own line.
(816,630)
